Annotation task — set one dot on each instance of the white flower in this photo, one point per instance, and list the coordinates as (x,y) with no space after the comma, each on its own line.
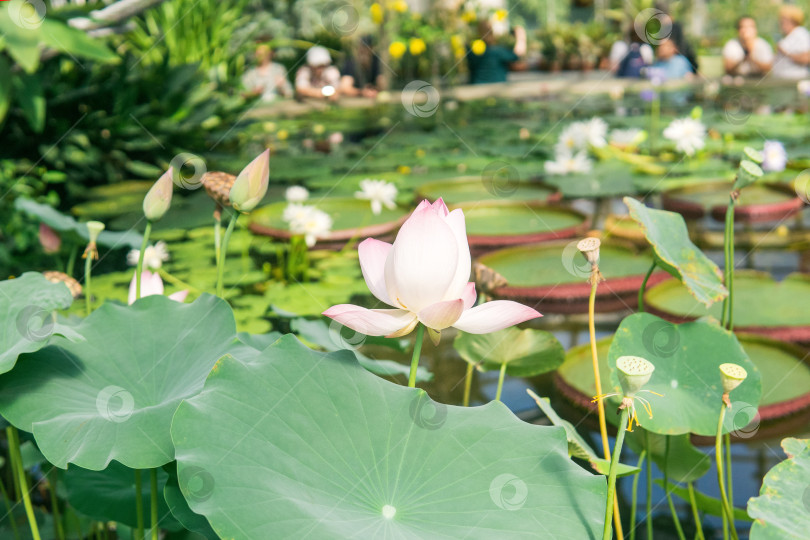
(296,212)
(688,135)
(572,138)
(626,137)
(774,157)
(379,192)
(595,131)
(566,163)
(296,194)
(312,224)
(153,257)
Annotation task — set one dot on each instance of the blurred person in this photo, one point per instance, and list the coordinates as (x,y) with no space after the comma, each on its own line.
(671,64)
(748,55)
(489,62)
(318,78)
(678,37)
(361,74)
(793,50)
(268,79)
(629,57)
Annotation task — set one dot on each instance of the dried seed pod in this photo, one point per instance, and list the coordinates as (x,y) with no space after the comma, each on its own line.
(59,277)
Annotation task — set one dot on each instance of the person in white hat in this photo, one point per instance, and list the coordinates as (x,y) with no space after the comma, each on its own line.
(318,78)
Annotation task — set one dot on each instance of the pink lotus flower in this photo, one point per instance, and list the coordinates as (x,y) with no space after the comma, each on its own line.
(423,276)
(152,284)
(49,239)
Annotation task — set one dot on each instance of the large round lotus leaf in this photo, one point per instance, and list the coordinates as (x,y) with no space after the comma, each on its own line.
(606,179)
(577,369)
(346,213)
(512,219)
(781,510)
(179,506)
(526,352)
(27,304)
(675,252)
(548,265)
(486,187)
(759,300)
(718,194)
(298,443)
(687,360)
(113,395)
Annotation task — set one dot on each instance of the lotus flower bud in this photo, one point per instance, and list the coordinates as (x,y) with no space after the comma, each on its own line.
(634,373)
(159,197)
(94,228)
(733,375)
(49,239)
(251,185)
(590,249)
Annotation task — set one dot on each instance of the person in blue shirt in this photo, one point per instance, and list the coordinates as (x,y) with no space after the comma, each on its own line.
(670,64)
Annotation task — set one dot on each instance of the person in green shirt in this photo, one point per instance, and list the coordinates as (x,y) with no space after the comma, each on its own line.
(489,62)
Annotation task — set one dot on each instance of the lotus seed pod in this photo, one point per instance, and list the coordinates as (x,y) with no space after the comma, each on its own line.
(94,228)
(634,373)
(159,197)
(590,249)
(754,155)
(250,186)
(733,375)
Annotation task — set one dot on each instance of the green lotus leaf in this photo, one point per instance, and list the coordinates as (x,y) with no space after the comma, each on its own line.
(781,510)
(675,252)
(113,395)
(687,358)
(296,442)
(179,507)
(526,353)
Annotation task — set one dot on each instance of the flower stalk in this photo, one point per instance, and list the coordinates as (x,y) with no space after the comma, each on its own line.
(139,268)
(94,228)
(13,437)
(607,533)
(417,353)
(224,255)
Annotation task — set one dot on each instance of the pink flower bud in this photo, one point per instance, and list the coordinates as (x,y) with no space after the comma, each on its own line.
(250,186)
(159,197)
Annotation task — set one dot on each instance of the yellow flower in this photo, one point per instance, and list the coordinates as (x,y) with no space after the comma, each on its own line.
(500,15)
(420,153)
(400,6)
(397,49)
(416,46)
(282,134)
(468,17)
(376,11)
(478,47)
(456,41)
(404,169)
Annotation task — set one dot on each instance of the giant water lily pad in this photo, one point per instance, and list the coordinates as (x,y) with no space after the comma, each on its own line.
(781,511)
(606,179)
(27,304)
(526,353)
(757,202)
(687,359)
(113,395)
(675,252)
(488,187)
(298,443)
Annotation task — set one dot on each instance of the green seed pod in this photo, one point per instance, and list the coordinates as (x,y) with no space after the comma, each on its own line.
(634,373)
(733,375)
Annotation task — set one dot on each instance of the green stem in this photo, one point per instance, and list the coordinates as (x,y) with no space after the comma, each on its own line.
(154,503)
(468,384)
(139,268)
(58,529)
(139,529)
(607,533)
(14,447)
(7,501)
(217,238)
(648,516)
(671,504)
(644,287)
(71,264)
(88,266)
(695,512)
(600,403)
(729,486)
(641,459)
(177,281)
(728,269)
(224,254)
(718,450)
(501,376)
(417,352)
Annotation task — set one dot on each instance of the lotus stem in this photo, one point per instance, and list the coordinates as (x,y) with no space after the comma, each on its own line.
(139,505)
(468,384)
(695,512)
(728,471)
(501,376)
(668,493)
(14,450)
(217,236)
(71,263)
(641,458)
(644,287)
(727,319)
(154,503)
(7,501)
(88,267)
(224,254)
(417,352)
(718,451)
(614,462)
(139,269)
(58,530)
(648,517)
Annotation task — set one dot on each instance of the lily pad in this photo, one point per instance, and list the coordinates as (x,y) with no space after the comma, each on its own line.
(758,202)
(687,359)
(675,252)
(120,387)
(485,188)
(336,451)
(526,353)
(781,508)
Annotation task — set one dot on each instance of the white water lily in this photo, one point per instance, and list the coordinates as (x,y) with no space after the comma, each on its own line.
(688,135)
(572,139)
(567,163)
(379,192)
(311,223)
(296,212)
(774,157)
(153,257)
(595,131)
(296,194)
